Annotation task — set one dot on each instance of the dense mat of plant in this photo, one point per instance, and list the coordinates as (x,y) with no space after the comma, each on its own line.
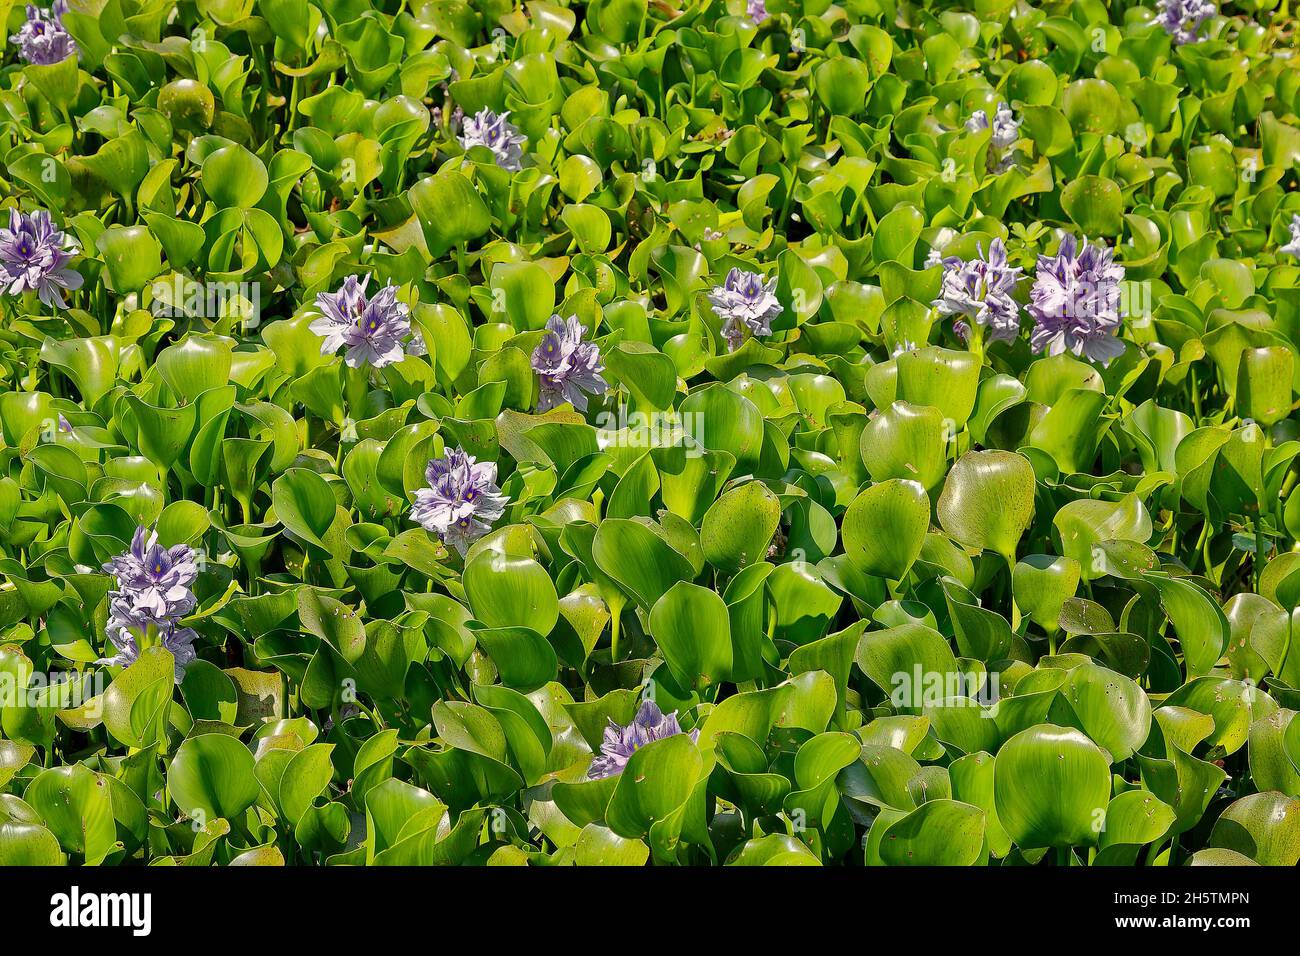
(673,432)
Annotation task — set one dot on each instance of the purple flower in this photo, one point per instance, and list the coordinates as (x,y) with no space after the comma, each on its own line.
(156,580)
(980,289)
(33,256)
(566,366)
(1006,128)
(373,329)
(502,138)
(620,743)
(42,39)
(178,640)
(745,302)
(1075,302)
(756,10)
(1183,18)
(154,590)
(462,499)
(1006,133)
(1292,248)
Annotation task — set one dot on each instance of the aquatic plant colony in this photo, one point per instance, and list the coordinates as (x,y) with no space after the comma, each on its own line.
(689,432)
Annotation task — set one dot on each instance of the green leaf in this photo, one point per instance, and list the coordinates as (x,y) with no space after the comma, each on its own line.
(908,442)
(524,658)
(305,505)
(509,591)
(884,528)
(77,806)
(1264,827)
(212,776)
(138,702)
(655,785)
(639,560)
(692,628)
(937,833)
(1052,787)
(232,176)
(449,210)
(1198,620)
(988,501)
(1094,204)
(739,526)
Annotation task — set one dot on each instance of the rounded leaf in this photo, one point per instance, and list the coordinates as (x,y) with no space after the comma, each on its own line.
(988,501)
(1051,787)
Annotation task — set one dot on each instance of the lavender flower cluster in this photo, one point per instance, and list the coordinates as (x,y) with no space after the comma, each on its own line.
(747,304)
(1075,299)
(503,139)
(34,257)
(620,742)
(154,591)
(376,330)
(567,368)
(1075,302)
(1182,19)
(980,289)
(462,500)
(42,39)
(1006,133)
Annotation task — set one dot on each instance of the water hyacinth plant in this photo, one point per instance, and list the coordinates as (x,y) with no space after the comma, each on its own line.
(981,289)
(462,500)
(747,303)
(34,256)
(1182,19)
(567,368)
(1005,133)
(619,743)
(1075,302)
(1292,247)
(42,38)
(652,434)
(373,329)
(486,128)
(153,591)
